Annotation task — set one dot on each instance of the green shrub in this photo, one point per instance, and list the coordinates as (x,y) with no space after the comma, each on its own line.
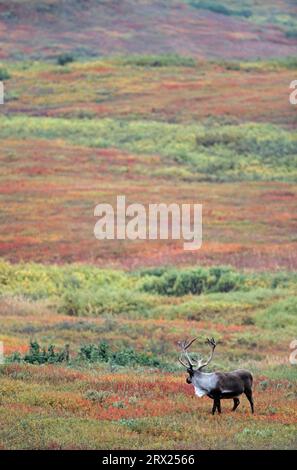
(94,353)
(248,142)
(97,396)
(193,281)
(227,152)
(282,314)
(220,8)
(211,6)
(118,404)
(164,60)
(65,58)
(38,355)
(228,281)
(263,385)
(122,357)
(4,74)
(291,34)
(129,356)
(108,300)
(286,62)
(247,321)
(91,291)
(232,66)
(156,271)
(15,357)
(281,280)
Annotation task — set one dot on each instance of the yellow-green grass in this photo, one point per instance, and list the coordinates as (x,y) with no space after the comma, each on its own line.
(88,131)
(86,405)
(121,88)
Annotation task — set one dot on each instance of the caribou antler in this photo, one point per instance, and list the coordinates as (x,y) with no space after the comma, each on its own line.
(212,343)
(184,345)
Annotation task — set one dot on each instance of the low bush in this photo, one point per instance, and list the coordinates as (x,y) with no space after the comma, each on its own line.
(291,34)
(36,281)
(211,152)
(220,8)
(248,140)
(193,281)
(65,58)
(282,314)
(108,300)
(91,353)
(4,74)
(124,357)
(97,396)
(94,352)
(163,60)
(39,355)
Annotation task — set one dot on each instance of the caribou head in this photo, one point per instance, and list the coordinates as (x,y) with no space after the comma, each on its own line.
(191,365)
(216,385)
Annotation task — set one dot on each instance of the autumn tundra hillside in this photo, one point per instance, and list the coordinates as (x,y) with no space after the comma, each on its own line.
(152,127)
(183,101)
(205,29)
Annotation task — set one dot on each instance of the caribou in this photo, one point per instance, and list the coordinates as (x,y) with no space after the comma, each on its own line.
(216,385)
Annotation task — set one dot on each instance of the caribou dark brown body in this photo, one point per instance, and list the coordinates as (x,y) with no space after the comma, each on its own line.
(217,385)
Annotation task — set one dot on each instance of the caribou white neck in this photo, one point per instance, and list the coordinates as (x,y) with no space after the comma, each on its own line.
(204,382)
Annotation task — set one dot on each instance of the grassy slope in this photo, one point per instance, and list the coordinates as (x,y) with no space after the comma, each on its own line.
(145,27)
(126,121)
(57,406)
(73,136)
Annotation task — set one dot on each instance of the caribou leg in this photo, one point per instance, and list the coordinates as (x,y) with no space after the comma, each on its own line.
(216,405)
(219,406)
(249,395)
(236,403)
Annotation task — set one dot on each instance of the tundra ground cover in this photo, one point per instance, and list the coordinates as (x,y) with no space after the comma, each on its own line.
(92,130)
(200,28)
(213,126)
(99,403)
(57,165)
